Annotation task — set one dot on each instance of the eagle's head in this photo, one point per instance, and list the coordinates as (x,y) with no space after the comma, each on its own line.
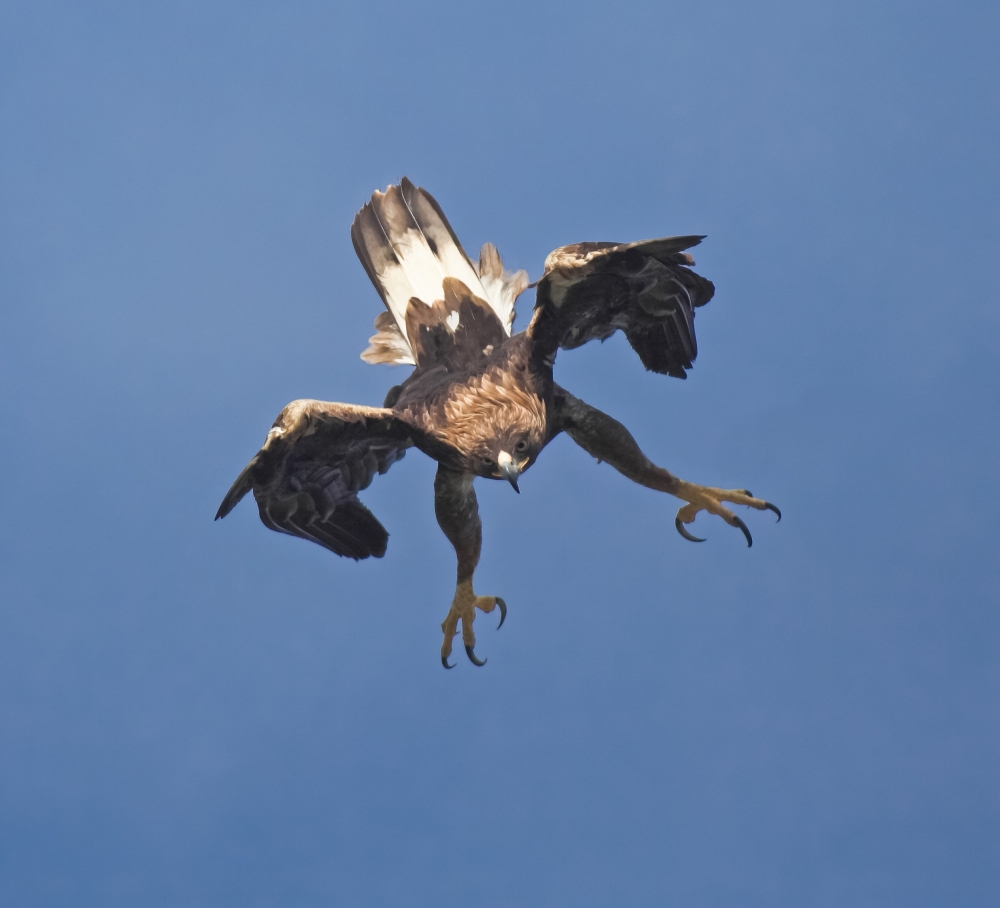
(497,425)
(507,455)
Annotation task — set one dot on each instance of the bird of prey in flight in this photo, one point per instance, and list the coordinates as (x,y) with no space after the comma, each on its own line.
(480,401)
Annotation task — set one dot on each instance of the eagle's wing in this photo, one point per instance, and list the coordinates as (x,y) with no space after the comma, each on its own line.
(315,460)
(408,249)
(591,290)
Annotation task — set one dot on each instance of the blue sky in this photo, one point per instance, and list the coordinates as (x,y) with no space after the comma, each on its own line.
(198,713)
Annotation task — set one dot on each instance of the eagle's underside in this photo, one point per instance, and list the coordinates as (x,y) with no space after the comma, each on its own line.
(480,401)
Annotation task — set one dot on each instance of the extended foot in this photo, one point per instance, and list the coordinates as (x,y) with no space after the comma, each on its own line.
(463,608)
(703,498)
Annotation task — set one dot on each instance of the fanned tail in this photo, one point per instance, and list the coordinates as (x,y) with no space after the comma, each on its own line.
(417,264)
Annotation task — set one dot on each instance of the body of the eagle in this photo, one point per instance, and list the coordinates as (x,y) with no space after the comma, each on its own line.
(480,401)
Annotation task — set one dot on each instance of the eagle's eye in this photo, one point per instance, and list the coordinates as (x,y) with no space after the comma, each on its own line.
(487,461)
(521,446)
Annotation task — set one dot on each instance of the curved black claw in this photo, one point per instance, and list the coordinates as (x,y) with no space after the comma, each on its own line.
(503,612)
(746,532)
(444,662)
(471,653)
(770,507)
(684,532)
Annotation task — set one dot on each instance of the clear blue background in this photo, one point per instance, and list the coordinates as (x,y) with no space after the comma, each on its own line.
(209,714)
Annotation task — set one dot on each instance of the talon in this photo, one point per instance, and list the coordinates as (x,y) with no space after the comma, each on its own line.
(748,493)
(503,609)
(770,507)
(746,532)
(471,653)
(681,529)
(463,610)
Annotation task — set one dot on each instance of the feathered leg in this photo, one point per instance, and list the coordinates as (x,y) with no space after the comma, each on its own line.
(608,440)
(457,513)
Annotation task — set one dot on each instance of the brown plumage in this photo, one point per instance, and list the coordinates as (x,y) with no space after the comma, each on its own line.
(479,401)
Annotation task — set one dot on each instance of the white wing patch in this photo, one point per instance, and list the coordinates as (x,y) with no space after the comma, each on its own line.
(452,320)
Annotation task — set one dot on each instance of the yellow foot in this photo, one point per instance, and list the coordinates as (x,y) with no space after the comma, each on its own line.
(463,608)
(703,498)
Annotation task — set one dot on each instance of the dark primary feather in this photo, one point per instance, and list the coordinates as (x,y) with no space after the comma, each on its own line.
(591,290)
(316,459)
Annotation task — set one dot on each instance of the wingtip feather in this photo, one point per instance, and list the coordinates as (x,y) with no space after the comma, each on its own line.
(242,485)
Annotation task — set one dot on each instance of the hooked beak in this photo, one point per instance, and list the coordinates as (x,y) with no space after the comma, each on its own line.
(509,469)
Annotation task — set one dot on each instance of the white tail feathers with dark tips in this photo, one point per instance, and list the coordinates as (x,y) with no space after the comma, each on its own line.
(408,248)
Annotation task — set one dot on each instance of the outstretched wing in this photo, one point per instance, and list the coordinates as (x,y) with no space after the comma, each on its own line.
(591,290)
(411,254)
(315,460)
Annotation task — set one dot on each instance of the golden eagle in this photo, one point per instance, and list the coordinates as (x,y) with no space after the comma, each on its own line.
(481,401)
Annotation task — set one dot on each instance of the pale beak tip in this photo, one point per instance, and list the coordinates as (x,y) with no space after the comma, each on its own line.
(509,469)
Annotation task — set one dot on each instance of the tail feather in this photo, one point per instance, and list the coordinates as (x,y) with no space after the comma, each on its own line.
(502,287)
(408,249)
(440,239)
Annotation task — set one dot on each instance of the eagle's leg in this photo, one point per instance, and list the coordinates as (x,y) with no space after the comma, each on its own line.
(457,513)
(608,440)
